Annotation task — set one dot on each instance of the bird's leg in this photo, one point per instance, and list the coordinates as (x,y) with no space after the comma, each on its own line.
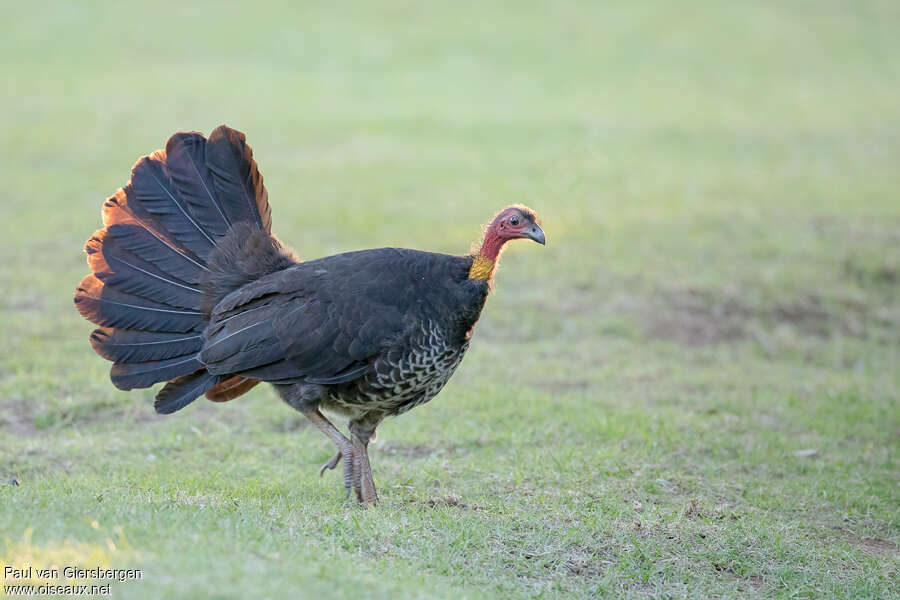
(366,492)
(332,462)
(357,471)
(345,448)
(360,434)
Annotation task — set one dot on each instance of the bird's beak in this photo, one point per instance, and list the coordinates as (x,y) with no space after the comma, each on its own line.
(536,234)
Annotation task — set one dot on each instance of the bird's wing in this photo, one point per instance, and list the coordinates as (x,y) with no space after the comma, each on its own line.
(320,321)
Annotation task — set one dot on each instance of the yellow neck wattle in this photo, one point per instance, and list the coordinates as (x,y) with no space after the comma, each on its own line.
(482,268)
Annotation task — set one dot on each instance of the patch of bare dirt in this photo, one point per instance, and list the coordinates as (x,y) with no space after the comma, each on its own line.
(807,314)
(693,510)
(17,419)
(582,568)
(579,561)
(562,385)
(752,581)
(864,275)
(693,317)
(755,581)
(883,274)
(861,231)
(871,545)
(453,500)
(572,560)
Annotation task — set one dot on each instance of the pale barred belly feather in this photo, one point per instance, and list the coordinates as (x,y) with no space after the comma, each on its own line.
(404,377)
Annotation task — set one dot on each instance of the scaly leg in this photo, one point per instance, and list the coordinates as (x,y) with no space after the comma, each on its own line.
(357,471)
(365,485)
(334,460)
(362,470)
(345,449)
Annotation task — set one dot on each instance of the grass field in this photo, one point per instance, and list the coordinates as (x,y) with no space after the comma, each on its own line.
(692,391)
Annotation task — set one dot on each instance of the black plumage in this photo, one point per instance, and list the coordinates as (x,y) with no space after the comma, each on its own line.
(123,270)
(154,191)
(128,222)
(192,180)
(181,391)
(107,306)
(352,309)
(237,180)
(128,345)
(130,375)
(191,288)
(141,242)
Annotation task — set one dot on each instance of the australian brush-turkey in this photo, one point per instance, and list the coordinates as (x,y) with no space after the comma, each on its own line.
(190,287)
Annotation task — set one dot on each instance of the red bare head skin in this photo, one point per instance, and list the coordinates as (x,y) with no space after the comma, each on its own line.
(513,222)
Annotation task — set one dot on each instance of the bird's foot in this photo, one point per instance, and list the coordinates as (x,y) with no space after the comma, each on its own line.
(332,463)
(357,471)
(346,452)
(363,483)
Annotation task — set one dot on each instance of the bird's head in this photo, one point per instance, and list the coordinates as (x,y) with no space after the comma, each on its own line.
(511,223)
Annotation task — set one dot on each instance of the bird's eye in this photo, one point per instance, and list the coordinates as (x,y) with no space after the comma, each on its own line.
(514,221)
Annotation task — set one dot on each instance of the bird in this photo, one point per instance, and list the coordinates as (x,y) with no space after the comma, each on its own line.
(189,286)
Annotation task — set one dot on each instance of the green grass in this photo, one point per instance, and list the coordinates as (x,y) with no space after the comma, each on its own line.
(692,391)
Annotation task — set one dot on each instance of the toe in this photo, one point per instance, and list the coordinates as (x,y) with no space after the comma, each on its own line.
(332,463)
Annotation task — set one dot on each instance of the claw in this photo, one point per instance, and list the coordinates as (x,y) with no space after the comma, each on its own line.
(332,463)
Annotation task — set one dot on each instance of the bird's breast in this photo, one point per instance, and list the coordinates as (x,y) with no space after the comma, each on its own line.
(407,374)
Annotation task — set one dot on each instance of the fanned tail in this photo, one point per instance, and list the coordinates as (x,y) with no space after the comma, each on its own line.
(150,274)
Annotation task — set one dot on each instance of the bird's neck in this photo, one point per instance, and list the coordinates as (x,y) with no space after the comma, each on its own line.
(485,262)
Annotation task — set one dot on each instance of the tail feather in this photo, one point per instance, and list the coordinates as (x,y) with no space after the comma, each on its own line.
(151,285)
(193,181)
(142,243)
(125,271)
(127,376)
(122,210)
(129,345)
(230,389)
(109,307)
(237,179)
(180,392)
(154,191)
